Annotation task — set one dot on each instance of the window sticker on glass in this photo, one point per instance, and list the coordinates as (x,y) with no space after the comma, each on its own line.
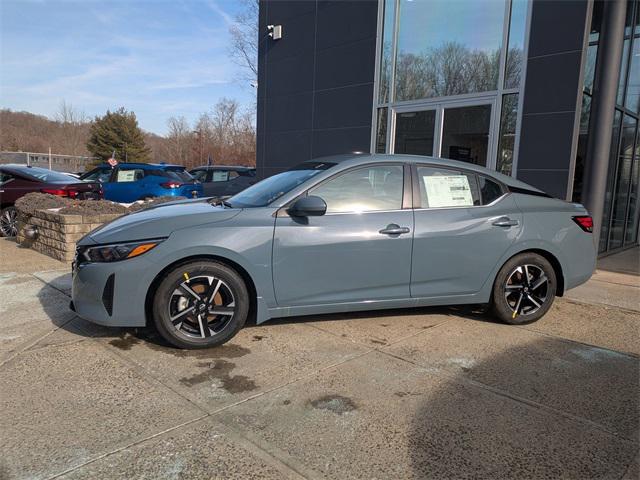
(448,191)
(126,175)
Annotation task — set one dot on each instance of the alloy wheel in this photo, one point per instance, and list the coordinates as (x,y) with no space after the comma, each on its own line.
(9,222)
(201,306)
(526,290)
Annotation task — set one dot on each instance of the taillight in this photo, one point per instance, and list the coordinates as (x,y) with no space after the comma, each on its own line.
(585,222)
(60,192)
(171,185)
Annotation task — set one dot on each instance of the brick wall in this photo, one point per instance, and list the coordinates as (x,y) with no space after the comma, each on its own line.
(58,233)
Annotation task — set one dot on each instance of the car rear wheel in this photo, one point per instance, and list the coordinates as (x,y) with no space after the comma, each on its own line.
(8,222)
(524,289)
(200,304)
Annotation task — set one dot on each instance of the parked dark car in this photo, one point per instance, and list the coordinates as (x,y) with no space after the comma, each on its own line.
(18,180)
(130,182)
(224,180)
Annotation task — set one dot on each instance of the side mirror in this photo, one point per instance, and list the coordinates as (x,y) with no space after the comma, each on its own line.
(310,206)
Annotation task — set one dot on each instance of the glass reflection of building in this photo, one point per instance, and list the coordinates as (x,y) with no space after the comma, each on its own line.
(450,75)
(449,79)
(621,203)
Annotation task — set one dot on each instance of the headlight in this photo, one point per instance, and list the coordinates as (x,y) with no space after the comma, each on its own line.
(116,252)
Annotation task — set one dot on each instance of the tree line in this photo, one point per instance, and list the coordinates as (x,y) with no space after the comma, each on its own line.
(225,134)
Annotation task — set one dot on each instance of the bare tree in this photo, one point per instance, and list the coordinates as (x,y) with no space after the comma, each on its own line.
(244,40)
(74,127)
(179,139)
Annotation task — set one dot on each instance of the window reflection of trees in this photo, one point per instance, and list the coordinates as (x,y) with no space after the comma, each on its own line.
(451,69)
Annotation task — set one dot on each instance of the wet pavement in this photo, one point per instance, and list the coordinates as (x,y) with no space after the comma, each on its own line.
(418,393)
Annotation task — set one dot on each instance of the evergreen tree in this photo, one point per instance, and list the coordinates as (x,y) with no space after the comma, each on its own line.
(118,131)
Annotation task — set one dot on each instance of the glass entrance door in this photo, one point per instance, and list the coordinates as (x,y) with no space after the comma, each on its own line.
(415,132)
(465,134)
(458,132)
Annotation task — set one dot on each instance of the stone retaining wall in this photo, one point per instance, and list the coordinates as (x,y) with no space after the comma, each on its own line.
(58,233)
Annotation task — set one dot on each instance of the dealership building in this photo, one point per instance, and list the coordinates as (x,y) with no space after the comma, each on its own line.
(545,91)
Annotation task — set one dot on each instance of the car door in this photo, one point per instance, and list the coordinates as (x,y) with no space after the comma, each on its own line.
(217,184)
(127,185)
(464,223)
(359,250)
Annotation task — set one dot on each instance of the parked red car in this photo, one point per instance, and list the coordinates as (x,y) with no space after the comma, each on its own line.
(18,180)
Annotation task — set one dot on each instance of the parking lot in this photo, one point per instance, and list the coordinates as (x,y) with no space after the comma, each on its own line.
(418,393)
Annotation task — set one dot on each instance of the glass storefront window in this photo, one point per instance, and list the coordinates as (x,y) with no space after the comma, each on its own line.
(465,134)
(631,236)
(448,48)
(581,151)
(608,199)
(506,142)
(385,50)
(381,136)
(625,54)
(632,101)
(515,50)
(415,132)
(623,179)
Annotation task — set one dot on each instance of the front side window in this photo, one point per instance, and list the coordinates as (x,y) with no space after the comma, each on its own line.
(365,189)
(101,175)
(200,175)
(444,188)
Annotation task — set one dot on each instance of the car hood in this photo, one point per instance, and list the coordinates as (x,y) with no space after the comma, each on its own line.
(158,222)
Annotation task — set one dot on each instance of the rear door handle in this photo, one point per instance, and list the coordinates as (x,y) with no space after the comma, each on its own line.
(505,222)
(394,229)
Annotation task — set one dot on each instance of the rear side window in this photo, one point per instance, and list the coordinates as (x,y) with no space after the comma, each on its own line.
(444,188)
(489,190)
(220,176)
(130,175)
(179,174)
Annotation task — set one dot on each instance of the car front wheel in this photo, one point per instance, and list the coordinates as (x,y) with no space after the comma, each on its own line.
(200,304)
(8,222)
(524,289)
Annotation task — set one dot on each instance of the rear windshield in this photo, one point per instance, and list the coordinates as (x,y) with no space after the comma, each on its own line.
(47,176)
(179,174)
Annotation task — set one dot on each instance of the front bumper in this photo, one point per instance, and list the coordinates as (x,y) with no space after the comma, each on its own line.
(112,294)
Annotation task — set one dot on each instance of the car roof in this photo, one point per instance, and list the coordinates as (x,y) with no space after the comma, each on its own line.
(223,167)
(364,158)
(144,165)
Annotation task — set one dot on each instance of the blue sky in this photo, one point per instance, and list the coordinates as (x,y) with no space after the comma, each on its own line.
(159,58)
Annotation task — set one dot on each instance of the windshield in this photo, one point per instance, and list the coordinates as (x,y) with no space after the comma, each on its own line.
(47,176)
(270,189)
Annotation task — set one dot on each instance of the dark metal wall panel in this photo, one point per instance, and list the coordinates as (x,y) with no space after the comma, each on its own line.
(315,85)
(551,94)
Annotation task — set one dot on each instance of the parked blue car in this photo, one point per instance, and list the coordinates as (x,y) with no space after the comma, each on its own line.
(129,182)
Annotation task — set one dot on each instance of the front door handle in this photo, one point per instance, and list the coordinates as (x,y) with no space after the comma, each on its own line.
(394,229)
(505,222)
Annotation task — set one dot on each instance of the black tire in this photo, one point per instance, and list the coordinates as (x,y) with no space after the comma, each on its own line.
(515,295)
(8,222)
(172,300)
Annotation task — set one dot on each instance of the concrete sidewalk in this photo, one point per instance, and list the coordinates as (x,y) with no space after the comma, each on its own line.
(418,393)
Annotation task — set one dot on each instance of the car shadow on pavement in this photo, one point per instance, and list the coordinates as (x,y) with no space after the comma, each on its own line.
(547,408)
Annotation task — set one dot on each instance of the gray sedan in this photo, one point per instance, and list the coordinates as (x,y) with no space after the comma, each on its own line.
(337,234)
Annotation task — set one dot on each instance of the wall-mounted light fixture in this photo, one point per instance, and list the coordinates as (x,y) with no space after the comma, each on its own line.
(275,31)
